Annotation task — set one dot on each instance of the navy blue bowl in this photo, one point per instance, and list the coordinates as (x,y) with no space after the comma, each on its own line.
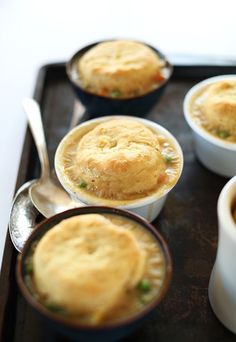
(104,332)
(97,105)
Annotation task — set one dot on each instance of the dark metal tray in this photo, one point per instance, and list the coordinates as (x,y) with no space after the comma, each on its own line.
(188,221)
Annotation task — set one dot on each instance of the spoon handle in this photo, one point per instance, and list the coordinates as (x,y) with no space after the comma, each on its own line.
(32,111)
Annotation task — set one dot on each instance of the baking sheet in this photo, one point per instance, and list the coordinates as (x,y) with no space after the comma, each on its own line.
(188,220)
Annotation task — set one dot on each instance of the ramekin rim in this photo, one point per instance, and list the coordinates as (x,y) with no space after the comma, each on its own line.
(91,44)
(224,207)
(123,322)
(136,203)
(195,127)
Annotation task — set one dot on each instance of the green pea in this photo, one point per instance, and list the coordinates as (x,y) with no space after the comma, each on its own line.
(115,93)
(29,268)
(168,158)
(29,265)
(55,308)
(144,286)
(223,134)
(28,282)
(83,185)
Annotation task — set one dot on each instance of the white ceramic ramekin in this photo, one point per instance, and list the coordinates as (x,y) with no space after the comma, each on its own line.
(148,207)
(216,154)
(222,286)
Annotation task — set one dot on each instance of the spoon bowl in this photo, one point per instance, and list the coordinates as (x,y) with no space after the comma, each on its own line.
(49,197)
(23,216)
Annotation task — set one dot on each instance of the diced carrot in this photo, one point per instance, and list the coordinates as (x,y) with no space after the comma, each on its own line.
(104,92)
(159,77)
(163,178)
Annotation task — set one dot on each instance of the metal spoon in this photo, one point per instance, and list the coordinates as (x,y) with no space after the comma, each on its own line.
(24,215)
(46,193)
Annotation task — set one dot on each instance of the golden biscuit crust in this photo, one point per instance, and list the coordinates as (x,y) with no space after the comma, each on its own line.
(86,263)
(127,67)
(119,159)
(220,105)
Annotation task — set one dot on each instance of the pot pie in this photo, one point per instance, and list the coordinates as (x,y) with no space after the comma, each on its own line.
(120,69)
(118,161)
(214,109)
(93,268)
